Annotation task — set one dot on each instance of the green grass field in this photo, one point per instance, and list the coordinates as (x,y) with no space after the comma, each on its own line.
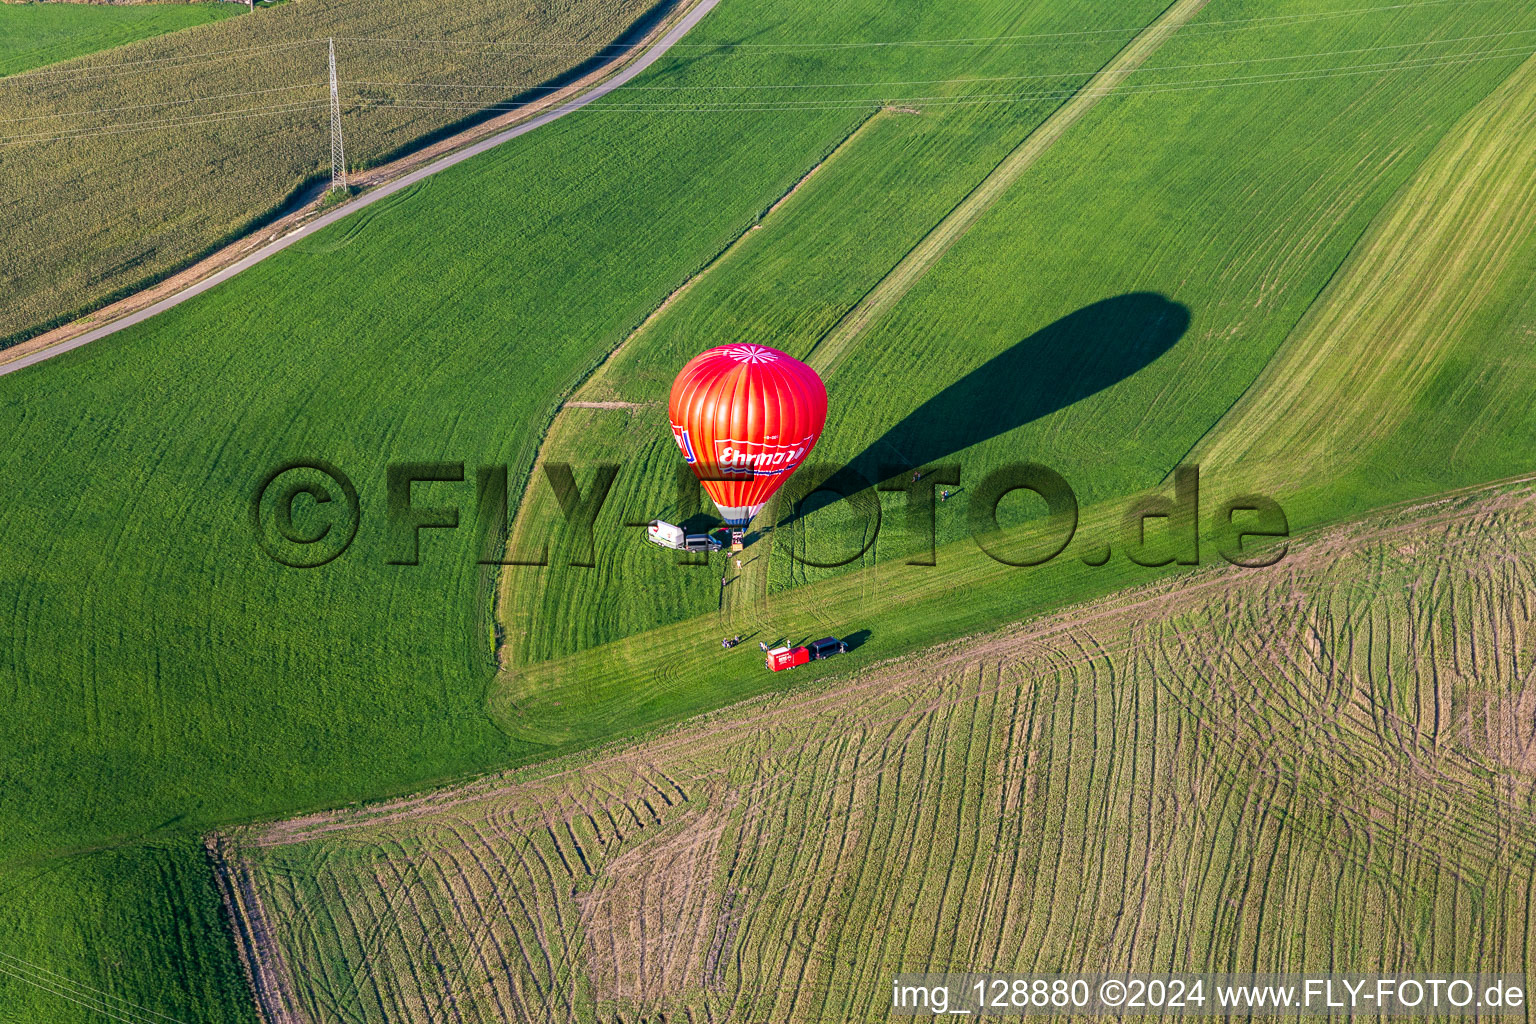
(167,677)
(35,34)
(1246,251)
(261,690)
(465,335)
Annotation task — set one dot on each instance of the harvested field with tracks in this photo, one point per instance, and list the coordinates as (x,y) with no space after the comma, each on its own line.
(1329,761)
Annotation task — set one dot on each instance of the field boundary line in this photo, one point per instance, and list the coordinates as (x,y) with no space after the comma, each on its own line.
(510,686)
(251,935)
(238,256)
(829,351)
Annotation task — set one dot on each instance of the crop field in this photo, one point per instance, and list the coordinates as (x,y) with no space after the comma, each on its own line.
(135,185)
(1340,742)
(32,35)
(1043,230)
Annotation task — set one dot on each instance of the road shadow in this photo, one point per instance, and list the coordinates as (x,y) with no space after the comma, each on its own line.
(1077,356)
(678,60)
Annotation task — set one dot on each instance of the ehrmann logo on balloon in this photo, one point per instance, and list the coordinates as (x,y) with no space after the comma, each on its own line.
(758,458)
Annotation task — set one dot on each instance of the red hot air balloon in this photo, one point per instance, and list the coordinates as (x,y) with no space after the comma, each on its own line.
(745,417)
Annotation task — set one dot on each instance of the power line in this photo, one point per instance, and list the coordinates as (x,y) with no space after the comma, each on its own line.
(1269,78)
(553,47)
(961,81)
(211,118)
(1300,18)
(770,85)
(180,61)
(1276,78)
(96,71)
(167,103)
(92,999)
(1272,78)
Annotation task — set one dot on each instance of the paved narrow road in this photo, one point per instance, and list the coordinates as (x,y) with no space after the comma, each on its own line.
(367,199)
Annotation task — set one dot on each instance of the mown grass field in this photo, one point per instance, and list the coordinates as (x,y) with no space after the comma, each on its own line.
(1147,783)
(122,167)
(167,678)
(32,35)
(1033,339)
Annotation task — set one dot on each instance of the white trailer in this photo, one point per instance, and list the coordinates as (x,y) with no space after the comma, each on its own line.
(669,536)
(665,534)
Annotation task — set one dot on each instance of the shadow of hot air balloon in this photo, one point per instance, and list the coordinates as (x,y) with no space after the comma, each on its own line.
(1077,356)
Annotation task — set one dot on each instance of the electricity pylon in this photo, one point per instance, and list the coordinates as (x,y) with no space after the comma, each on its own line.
(338,155)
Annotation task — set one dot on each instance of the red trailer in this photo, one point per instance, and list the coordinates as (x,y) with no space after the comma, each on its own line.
(781,658)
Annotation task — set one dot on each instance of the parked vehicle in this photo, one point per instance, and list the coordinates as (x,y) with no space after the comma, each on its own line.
(826,647)
(781,658)
(669,536)
(665,534)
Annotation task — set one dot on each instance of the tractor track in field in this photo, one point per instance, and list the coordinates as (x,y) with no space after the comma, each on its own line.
(393,178)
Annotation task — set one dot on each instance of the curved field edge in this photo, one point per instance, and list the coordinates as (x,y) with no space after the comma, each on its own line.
(1140,783)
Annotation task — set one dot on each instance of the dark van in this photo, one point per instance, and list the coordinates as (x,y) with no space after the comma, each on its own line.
(826,647)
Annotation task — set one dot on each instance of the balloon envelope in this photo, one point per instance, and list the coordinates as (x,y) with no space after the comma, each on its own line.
(745,417)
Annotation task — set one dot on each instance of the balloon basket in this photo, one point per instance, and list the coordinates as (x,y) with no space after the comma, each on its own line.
(738,539)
